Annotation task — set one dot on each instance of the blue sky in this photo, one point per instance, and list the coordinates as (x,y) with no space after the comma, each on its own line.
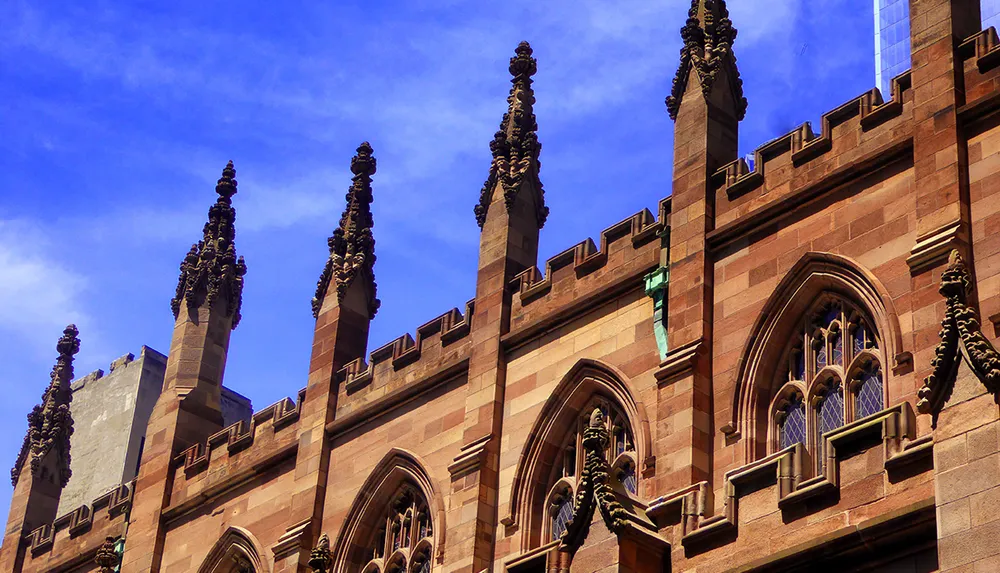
(117,118)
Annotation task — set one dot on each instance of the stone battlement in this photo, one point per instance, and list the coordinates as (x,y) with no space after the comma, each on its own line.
(628,250)
(236,447)
(438,344)
(792,169)
(107,511)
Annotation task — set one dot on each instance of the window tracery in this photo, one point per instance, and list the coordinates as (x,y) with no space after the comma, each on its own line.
(620,452)
(833,376)
(403,538)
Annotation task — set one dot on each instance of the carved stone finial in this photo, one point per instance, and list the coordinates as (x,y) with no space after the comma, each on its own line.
(515,145)
(708,36)
(596,418)
(352,245)
(320,558)
(594,486)
(211,270)
(107,557)
(50,424)
(960,330)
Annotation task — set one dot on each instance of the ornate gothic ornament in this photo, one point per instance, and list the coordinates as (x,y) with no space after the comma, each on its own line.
(107,557)
(708,37)
(352,245)
(515,145)
(960,335)
(50,424)
(211,268)
(320,559)
(594,487)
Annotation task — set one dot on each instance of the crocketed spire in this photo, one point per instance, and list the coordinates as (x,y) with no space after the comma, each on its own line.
(515,145)
(50,424)
(211,268)
(352,245)
(708,37)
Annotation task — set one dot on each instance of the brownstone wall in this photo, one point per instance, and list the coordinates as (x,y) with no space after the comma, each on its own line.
(472,406)
(259,505)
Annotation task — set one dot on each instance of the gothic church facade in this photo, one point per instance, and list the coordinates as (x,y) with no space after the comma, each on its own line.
(789,366)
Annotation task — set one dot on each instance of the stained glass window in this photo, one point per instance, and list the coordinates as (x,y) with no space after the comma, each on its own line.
(835,338)
(793,427)
(820,356)
(562,514)
(627,477)
(869,398)
(798,365)
(831,410)
(406,523)
(619,452)
(859,338)
(832,313)
(837,343)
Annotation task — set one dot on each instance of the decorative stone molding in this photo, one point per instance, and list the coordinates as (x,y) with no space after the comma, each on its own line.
(352,245)
(960,334)
(471,457)
(708,37)
(237,549)
(515,146)
(50,423)
(896,426)
(935,247)
(292,539)
(211,269)
(687,506)
(679,362)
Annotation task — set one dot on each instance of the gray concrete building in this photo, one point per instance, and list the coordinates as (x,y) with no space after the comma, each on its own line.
(110,413)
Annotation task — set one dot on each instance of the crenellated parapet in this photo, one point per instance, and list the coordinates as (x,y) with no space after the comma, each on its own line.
(84,526)
(437,344)
(980,56)
(628,250)
(855,138)
(235,453)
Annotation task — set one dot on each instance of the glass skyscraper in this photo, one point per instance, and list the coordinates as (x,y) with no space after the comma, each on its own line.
(892,37)
(892,42)
(991,13)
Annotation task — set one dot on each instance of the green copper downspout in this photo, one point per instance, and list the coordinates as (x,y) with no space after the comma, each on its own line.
(656,288)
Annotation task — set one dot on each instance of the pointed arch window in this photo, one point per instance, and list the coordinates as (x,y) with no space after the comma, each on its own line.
(621,453)
(833,376)
(403,536)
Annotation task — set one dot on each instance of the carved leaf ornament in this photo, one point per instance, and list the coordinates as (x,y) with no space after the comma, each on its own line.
(961,335)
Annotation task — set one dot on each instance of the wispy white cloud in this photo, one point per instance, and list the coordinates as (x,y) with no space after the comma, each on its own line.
(39,295)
